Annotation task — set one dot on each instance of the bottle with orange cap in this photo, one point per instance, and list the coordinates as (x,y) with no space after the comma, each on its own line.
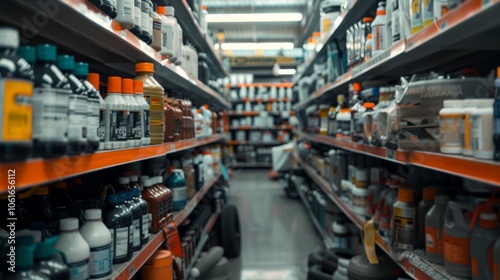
(403,220)
(356,108)
(143,117)
(366,28)
(116,116)
(203,19)
(154,95)
(93,79)
(379,30)
(134,130)
(428,196)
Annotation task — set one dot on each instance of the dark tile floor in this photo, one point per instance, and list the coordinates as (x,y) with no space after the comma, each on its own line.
(277,235)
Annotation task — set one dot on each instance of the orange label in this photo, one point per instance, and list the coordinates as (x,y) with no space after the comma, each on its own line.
(378,43)
(456,250)
(17,110)
(156,103)
(431,245)
(475,267)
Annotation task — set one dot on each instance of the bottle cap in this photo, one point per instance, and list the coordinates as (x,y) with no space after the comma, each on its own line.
(160,10)
(485,103)
(93,78)
(68,224)
(316,34)
(124,180)
(498,72)
(138,86)
(369,105)
(114,84)
(198,111)
(453,103)
(144,67)
(113,199)
(45,250)
(367,19)
(28,53)
(66,62)
(169,11)
(127,86)
(405,195)
(25,249)
(428,194)
(10,37)
(204,7)
(380,12)
(46,52)
(310,40)
(81,69)
(357,87)
(93,214)
(369,36)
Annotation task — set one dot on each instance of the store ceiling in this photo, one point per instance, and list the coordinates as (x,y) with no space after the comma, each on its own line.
(262,32)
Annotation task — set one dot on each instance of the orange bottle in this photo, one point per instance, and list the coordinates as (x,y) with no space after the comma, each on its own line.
(159,266)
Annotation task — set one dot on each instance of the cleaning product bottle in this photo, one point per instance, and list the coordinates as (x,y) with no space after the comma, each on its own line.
(143,117)
(93,78)
(118,219)
(386,218)
(146,21)
(125,13)
(172,32)
(496,115)
(25,249)
(482,129)
(167,199)
(16,78)
(50,104)
(180,38)
(136,29)
(107,6)
(134,129)
(78,103)
(146,217)
(177,183)
(93,106)
(481,245)
(136,235)
(380,207)
(457,234)
(203,19)
(45,262)
(416,16)
(428,196)
(434,225)
(157,30)
(76,251)
(427,12)
(169,120)
(154,94)
(404,220)
(99,239)
(154,201)
(116,116)
(379,30)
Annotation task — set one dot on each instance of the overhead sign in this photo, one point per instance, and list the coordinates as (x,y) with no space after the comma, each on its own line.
(261,61)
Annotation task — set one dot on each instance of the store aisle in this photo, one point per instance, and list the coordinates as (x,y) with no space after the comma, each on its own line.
(277,235)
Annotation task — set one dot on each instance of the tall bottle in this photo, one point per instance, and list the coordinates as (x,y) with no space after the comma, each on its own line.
(78,103)
(93,79)
(75,249)
(125,13)
(118,219)
(496,116)
(379,30)
(157,30)
(172,33)
(99,239)
(146,217)
(144,106)
(428,197)
(50,104)
(93,108)
(136,29)
(203,19)
(178,117)
(134,131)
(136,228)
(154,94)
(434,224)
(116,116)
(168,119)
(146,21)
(25,249)
(45,262)
(481,246)
(16,78)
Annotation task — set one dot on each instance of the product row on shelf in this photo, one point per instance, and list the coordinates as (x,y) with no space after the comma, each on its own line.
(252,156)
(264,136)
(436,226)
(104,221)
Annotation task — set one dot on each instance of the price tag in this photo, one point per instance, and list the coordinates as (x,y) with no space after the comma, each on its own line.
(172,147)
(83,8)
(390,154)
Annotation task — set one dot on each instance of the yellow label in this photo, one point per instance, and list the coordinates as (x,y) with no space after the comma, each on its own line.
(369,242)
(17,112)
(156,103)
(326,25)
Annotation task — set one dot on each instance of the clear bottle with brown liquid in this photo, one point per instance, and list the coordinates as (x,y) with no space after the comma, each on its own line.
(177,119)
(190,119)
(168,120)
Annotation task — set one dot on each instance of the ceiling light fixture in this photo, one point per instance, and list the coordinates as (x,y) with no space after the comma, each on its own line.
(256,46)
(286,72)
(260,17)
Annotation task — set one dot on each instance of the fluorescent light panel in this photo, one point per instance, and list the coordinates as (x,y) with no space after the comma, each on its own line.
(260,17)
(284,72)
(256,46)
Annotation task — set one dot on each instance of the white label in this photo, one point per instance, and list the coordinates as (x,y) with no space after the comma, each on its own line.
(150,18)
(118,125)
(93,118)
(79,271)
(136,225)
(146,220)
(179,194)
(50,113)
(137,13)
(77,118)
(128,8)
(144,16)
(100,262)
(170,35)
(120,241)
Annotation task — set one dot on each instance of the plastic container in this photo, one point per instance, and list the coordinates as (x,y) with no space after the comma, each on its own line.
(171,134)
(75,249)
(136,29)
(154,201)
(204,74)
(404,219)
(434,224)
(134,129)
(125,13)
(379,30)
(208,162)
(177,184)
(368,52)
(457,234)
(16,136)
(50,105)
(341,236)
(387,217)
(329,11)
(449,127)
(45,262)
(360,200)
(116,116)
(416,20)
(323,119)
(167,199)
(25,249)
(99,240)
(118,219)
(146,21)
(135,209)
(143,118)
(159,266)
(203,19)
(481,246)
(428,197)
(157,31)
(93,79)
(153,94)
(168,24)
(482,129)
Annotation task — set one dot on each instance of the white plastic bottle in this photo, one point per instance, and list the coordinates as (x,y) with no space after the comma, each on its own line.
(99,240)
(144,108)
(75,249)
(199,123)
(134,129)
(180,44)
(449,127)
(469,106)
(416,20)
(203,19)
(125,13)
(379,30)
(93,78)
(172,31)
(167,29)
(207,114)
(482,129)
(116,116)
(208,165)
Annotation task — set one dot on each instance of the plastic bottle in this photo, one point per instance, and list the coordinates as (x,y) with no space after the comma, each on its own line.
(93,108)
(482,129)
(380,206)
(178,117)
(469,105)
(116,116)
(143,117)
(146,217)
(169,120)
(93,79)
(379,30)
(404,219)
(203,19)
(136,29)
(329,11)
(118,219)
(428,197)
(171,31)
(157,30)
(78,104)
(159,266)
(136,236)
(416,16)
(45,262)
(125,13)
(199,123)
(434,224)
(25,249)
(449,127)
(481,246)
(177,184)
(99,239)
(154,94)
(153,199)
(50,104)
(167,199)
(180,38)
(387,216)
(135,114)
(208,162)
(75,249)
(16,76)
(107,6)
(457,234)
(146,21)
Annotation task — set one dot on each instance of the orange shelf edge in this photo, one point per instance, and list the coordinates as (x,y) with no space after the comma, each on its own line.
(41,171)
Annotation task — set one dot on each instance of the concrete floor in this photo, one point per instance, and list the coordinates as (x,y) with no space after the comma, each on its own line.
(277,235)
